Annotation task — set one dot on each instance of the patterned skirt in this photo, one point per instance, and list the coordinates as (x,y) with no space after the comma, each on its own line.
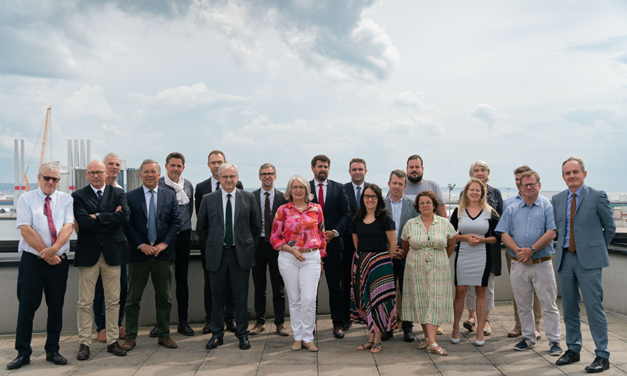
(373,291)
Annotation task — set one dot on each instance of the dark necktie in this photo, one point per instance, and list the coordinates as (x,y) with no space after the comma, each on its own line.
(152,219)
(266,216)
(217,185)
(321,196)
(571,238)
(228,237)
(358,195)
(99,194)
(48,213)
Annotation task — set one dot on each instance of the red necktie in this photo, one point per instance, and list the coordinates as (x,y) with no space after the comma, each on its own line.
(321,196)
(48,213)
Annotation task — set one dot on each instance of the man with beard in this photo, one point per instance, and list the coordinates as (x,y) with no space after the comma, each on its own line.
(417,184)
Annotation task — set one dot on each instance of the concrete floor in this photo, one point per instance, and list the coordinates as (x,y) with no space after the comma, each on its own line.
(271,354)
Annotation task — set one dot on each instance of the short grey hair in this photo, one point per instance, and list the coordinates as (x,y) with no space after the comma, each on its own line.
(50,165)
(148,161)
(578,160)
(113,155)
(267,165)
(224,166)
(288,191)
(399,174)
(481,164)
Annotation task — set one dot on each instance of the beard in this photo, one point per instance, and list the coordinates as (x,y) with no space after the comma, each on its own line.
(414,180)
(321,176)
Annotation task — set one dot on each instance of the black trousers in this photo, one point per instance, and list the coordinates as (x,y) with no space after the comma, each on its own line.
(267,257)
(229,274)
(181,269)
(229,304)
(36,277)
(100,308)
(347,277)
(399,274)
(333,271)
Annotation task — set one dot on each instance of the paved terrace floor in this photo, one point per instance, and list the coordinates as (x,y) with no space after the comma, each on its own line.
(271,354)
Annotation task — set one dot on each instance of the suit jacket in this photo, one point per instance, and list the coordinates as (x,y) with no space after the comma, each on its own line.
(337,212)
(353,205)
(279,199)
(246,228)
(408,211)
(168,224)
(593,224)
(204,188)
(104,235)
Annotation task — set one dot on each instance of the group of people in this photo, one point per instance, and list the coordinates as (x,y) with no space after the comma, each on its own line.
(368,247)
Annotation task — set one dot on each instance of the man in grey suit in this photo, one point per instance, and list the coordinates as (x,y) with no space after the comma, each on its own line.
(402,210)
(585,227)
(229,226)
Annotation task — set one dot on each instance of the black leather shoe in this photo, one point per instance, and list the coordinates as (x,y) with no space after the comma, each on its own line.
(569,357)
(207,328)
(409,336)
(214,342)
(386,336)
(230,325)
(347,325)
(56,358)
(184,329)
(599,365)
(338,332)
(116,349)
(244,344)
(154,333)
(83,352)
(19,362)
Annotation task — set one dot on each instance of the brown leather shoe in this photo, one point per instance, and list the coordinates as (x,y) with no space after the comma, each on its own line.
(128,344)
(122,333)
(83,352)
(115,349)
(102,336)
(337,332)
(258,328)
(515,332)
(280,329)
(538,334)
(310,346)
(167,342)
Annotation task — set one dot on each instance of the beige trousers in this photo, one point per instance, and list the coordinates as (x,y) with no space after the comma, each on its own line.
(537,308)
(86,288)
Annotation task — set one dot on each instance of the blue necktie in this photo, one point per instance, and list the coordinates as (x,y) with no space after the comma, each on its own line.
(99,194)
(152,219)
(358,195)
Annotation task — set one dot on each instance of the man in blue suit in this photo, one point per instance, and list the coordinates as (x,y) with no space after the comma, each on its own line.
(331,196)
(585,227)
(151,232)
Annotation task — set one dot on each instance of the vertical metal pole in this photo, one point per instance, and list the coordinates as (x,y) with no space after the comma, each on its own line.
(82,155)
(88,152)
(16,167)
(76,158)
(70,162)
(23,171)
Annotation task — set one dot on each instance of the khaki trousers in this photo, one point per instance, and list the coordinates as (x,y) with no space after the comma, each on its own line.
(86,288)
(537,308)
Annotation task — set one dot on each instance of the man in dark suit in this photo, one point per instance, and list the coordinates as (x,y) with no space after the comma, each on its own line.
(401,209)
(585,227)
(354,189)
(215,160)
(100,213)
(268,200)
(334,202)
(153,227)
(228,227)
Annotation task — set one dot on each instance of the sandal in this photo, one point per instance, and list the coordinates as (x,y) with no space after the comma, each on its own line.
(470,324)
(376,348)
(434,348)
(486,328)
(423,344)
(365,346)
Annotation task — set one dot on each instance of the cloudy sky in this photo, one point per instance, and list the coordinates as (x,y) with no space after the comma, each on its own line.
(508,82)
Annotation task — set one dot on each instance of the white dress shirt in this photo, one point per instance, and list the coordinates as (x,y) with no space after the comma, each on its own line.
(325,184)
(361,191)
(96,189)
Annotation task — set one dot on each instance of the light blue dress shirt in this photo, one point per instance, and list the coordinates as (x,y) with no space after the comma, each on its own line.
(569,201)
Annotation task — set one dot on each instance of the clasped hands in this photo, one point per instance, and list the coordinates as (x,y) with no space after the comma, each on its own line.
(150,250)
(399,253)
(524,255)
(49,255)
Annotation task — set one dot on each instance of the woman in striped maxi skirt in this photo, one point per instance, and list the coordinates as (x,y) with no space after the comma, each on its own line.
(428,242)
(373,292)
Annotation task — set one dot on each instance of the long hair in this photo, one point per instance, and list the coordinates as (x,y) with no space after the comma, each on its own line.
(379,210)
(464,201)
(288,191)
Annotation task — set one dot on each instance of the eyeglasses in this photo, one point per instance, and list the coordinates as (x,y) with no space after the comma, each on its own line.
(229,177)
(95,173)
(298,188)
(48,178)
(529,185)
(267,174)
(370,197)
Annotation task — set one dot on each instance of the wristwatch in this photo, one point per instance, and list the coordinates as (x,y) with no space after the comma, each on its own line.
(533,250)
(97,215)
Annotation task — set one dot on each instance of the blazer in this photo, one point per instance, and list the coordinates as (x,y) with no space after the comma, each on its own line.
(408,211)
(337,212)
(593,224)
(104,234)
(168,224)
(279,199)
(354,205)
(246,228)
(203,188)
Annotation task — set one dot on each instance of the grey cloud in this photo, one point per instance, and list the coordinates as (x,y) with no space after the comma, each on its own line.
(589,115)
(485,113)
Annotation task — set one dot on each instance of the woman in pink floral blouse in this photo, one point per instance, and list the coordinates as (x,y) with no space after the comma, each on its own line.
(298,231)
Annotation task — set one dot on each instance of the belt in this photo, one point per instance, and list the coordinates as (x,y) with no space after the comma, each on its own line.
(306,250)
(231,247)
(266,239)
(536,261)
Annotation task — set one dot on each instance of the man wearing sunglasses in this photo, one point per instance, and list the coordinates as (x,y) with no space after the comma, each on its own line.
(45,219)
